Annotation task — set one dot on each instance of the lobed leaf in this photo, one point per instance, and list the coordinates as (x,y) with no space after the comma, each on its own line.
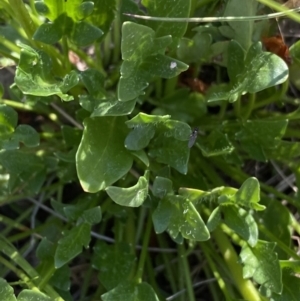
(7,292)
(101,158)
(262,264)
(71,244)
(144,59)
(33,75)
(131,197)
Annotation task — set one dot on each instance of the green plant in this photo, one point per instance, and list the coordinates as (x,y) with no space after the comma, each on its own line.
(121,134)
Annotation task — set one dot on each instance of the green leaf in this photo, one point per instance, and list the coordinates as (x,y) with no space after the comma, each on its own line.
(162,215)
(29,181)
(291,288)
(186,220)
(67,157)
(280,228)
(243,31)
(215,144)
(26,134)
(144,59)
(67,19)
(141,155)
(139,137)
(168,8)
(219,53)
(16,161)
(257,135)
(48,33)
(103,14)
(143,118)
(143,130)
(28,295)
(170,151)
(177,129)
(295,52)
(193,226)
(241,222)
(166,149)
(92,216)
(131,197)
(236,57)
(199,196)
(101,158)
(114,108)
(8,121)
(71,244)
(34,77)
(284,151)
(264,132)
(94,82)
(71,135)
(61,278)
(113,262)
(7,292)
(41,7)
(159,65)
(85,9)
(72,212)
(249,195)
(130,291)
(85,34)
(261,71)
(214,219)
(45,253)
(191,108)
(196,50)
(45,250)
(162,187)
(262,264)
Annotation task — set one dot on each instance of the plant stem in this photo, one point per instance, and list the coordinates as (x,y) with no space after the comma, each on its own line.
(215,271)
(107,49)
(223,108)
(141,264)
(245,287)
(170,85)
(169,268)
(249,109)
(21,15)
(237,107)
(239,176)
(65,48)
(117,34)
(186,273)
(158,88)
